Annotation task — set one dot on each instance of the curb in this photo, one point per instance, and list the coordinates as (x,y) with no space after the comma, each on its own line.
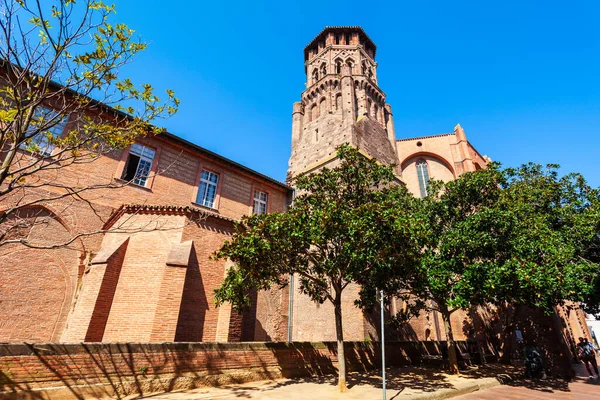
(470,388)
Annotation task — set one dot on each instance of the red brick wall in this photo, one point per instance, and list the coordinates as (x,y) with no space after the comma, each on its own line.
(37,286)
(198,316)
(43,289)
(105,295)
(312,321)
(128,368)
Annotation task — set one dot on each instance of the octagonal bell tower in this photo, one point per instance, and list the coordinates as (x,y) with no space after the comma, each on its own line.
(342,102)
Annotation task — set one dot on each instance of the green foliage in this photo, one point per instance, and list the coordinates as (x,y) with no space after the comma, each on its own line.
(455,239)
(513,235)
(69,59)
(61,62)
(545,226)
(519,236)
(348,225)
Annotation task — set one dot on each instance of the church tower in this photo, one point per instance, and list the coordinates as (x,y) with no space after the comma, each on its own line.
(342,102)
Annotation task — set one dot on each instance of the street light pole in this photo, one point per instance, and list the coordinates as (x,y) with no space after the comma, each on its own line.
(382,341)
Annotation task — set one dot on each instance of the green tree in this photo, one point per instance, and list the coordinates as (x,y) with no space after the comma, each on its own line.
(456,243)
(62,65)
(547,226)
(513,236)
(592,299)
(348,225)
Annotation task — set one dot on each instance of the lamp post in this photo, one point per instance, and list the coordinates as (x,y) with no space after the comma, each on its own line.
(382,341)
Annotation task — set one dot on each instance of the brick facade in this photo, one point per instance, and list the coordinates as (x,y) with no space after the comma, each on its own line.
(343,103)
(94,291)
(155,283)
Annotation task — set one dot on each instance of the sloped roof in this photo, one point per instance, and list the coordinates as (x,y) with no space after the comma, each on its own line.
(161,209)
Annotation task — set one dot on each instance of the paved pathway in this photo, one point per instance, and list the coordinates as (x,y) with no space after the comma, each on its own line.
(580,389)
(403,384)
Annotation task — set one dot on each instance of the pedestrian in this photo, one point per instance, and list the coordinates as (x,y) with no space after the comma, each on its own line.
(534,364)
(587,354)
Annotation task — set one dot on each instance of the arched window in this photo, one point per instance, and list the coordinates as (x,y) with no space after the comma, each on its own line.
(350,64)
(314,112)
(364,68)
(323,107)
(375,112)
(370,73)
(338,102)
(315,75)
(423,175)
(323,69)
(338,67)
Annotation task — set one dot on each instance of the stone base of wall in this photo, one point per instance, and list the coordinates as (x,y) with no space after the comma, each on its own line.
(109,370)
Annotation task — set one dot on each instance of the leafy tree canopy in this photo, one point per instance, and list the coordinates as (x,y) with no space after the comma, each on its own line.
(498,236)
(64,100)
(349,224)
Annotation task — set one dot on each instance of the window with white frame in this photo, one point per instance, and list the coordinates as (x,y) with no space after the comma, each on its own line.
(260,202)
(139,163)
(207,191)
(41,143)
(423,175)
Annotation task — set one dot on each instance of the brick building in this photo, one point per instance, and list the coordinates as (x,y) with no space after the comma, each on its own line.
(343,103)
(152,279)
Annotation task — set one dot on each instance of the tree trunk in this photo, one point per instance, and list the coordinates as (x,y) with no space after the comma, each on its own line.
(452,359)
(340,343)
(473,315)
(507,334)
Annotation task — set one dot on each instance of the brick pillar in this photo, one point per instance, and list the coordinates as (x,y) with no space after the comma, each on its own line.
(361,96)
(223,324)
(389,126)
(381,118)
(88,318)
(171,291)
(329,100)
(348,96)
(297,122)
(463,149)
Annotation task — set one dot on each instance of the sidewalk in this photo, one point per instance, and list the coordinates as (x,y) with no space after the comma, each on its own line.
(402,383)
(580,388)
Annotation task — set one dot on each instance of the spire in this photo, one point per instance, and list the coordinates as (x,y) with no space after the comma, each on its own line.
(460,132)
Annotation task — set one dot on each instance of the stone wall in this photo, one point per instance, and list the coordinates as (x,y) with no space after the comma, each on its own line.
(46,370)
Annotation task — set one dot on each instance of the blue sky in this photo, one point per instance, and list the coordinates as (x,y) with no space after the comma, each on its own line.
(521,77)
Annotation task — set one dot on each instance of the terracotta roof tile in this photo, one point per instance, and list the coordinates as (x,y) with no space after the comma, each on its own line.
(161,209)
(425,137)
